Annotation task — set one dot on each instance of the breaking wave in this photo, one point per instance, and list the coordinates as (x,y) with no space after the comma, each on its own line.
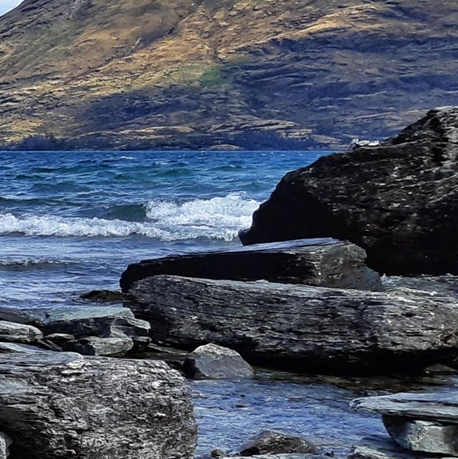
(216,218)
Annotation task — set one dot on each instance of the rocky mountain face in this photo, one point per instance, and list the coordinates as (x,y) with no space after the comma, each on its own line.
(220,74)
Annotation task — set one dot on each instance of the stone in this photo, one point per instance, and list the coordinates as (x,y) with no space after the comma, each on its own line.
(437,407)
(113,346)
(424,436)
(211,361)
(383,447)
(299,327)
(60,405)
(5,442)
(398,200)
(103,296)
(273,442)
(321,262)
(18,333)
(95,330)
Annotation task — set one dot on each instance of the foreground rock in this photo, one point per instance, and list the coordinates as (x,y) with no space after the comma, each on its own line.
(299,327)
(399,201)
(425,423)
(381,447)
(273,442)
(61,405)
(87,330)
(216,362)
(322,262)
(18,333)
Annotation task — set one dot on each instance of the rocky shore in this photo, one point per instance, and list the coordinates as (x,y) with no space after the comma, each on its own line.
(93,382)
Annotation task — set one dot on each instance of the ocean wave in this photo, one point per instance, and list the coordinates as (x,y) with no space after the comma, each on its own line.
(216,218)
(23,264)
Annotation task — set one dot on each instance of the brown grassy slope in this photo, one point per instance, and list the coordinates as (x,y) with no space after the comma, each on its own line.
(254,73)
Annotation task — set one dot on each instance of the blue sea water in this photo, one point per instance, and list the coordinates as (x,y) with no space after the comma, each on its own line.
(72,221)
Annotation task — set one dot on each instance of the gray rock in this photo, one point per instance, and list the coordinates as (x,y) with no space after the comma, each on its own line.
(113,346)
(89,326)
(57,405)
(60,339)
(399,200)
(272,442)
(437,407)
(299,327)
(321,262)
(8,348)
(423,436)
(5,442)
(18,333)
(211,361)
(380,447)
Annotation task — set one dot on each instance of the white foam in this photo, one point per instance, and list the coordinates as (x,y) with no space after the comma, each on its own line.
(216,218)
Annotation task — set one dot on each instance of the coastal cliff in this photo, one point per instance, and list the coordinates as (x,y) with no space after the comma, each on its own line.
(254,74)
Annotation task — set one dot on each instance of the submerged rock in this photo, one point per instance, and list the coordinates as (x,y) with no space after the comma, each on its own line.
(301,328)
(399,200)
(321,262)
(211,361)
(273,442)
(60,405)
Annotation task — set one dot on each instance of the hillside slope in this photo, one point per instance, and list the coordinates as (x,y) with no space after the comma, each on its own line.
(208,73)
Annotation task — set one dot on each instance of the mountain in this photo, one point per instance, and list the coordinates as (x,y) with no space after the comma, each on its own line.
(260,74)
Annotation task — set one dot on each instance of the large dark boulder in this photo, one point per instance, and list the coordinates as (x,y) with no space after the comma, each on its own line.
(399,200)
(323,262)
(57,405)
(299,327)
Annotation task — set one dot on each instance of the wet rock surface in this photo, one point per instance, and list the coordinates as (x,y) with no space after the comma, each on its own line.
(321,262)
(56,405)
(399,200)
(211,361)
(301,328)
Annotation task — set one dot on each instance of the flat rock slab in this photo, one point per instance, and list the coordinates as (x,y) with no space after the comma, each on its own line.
(18,333)
(300,327)
(322,262)
(56,405)
(424,436)
(441,407)
(381,447)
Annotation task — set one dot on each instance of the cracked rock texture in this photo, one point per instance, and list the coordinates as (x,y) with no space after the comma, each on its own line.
(62,405)
(299,327)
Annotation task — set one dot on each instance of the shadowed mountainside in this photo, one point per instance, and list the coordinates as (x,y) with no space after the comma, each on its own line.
(259,74)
